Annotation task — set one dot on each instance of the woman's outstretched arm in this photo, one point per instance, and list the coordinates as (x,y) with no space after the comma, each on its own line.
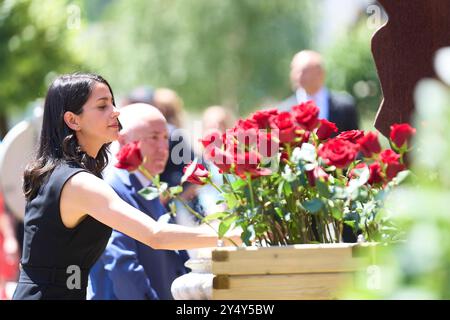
(85,194)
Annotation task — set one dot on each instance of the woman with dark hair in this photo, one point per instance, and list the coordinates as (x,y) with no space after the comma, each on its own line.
(70,210)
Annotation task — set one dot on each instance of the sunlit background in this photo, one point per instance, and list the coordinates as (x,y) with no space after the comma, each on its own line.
(230,53)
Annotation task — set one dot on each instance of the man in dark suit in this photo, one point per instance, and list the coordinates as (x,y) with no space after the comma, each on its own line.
(308,83)
(128,269)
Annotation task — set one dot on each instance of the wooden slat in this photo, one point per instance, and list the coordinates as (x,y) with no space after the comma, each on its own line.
(282,287)
(285,260)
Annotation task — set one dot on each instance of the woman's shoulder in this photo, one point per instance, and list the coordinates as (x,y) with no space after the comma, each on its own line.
(63,171)
(67,167)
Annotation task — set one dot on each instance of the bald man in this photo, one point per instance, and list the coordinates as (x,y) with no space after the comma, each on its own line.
(307,78)
(128,269)
(217,118)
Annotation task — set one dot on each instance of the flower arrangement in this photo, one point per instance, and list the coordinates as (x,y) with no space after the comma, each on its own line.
(289,179)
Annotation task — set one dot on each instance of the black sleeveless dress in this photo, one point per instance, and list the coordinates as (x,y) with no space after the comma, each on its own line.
(56,260)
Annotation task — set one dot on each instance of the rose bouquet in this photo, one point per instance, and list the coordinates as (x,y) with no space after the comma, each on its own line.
(289,179)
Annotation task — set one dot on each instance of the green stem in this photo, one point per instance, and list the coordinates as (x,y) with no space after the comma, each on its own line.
(231,186)
(148,175)
(214,185)
(249,182)
(329,233)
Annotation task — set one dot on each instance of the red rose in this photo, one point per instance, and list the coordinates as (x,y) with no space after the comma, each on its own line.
(307,115)
(284,157)
(389,157)
(369,144)
(338,152)
(326,129)
(285,125)
(221,159)
(214,137)
(129,156)
(376,175)
(401,134)
(301,136)
(244,134)
(267,147)
(351,135)
(392,169)
(248,163)
(245,124)
(262,117)
(198,175)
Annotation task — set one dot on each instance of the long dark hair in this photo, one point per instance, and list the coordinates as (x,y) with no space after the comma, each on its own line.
(58,143)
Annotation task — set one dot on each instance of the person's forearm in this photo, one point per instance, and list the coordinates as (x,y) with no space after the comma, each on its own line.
(176,237)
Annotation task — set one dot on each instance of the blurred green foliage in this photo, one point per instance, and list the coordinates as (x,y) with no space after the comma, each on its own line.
(34,45)
(351,68)
(419,267)
(235,53)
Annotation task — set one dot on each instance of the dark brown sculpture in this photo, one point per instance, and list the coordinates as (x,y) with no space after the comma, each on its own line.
(403,50)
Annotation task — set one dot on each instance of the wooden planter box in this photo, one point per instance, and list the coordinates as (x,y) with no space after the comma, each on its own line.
(293,272)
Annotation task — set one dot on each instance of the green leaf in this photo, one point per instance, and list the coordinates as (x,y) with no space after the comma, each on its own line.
(363,175)
(381,195)
(226,188)
(336,213)
(149,193)
(288,175)
(231,200)
(323,189)
(163,187)
(369,208)
(279,212)
(352,218)
(225,225)
(287,217)
(215,216)
(313,205)
(280,188)
(248,234)
(156,180)
(363,194)
(238,184)
(175,190)
(401,176)
(338,192)
(287,189)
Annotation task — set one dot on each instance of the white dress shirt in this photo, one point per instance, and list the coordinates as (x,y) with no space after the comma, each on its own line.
(320,98)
